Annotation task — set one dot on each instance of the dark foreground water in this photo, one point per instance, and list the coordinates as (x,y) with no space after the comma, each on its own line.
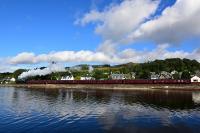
(71,111)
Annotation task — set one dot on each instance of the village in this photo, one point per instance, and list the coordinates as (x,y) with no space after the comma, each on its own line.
(92,74)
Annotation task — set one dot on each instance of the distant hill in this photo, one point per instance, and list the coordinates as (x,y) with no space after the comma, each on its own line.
(172,64)
(141,69)
(156,65)
(126,65)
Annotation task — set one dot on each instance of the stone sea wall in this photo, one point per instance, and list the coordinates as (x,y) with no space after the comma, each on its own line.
(188,87)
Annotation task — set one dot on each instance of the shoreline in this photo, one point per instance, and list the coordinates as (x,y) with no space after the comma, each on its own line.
(182,87)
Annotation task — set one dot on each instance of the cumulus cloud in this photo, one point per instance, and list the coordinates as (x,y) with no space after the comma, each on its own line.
(176,24)
(5,67)
(119,20)
(124,56)
(160,52)
(108,47)
(61,56)
(23,58)
(128,22)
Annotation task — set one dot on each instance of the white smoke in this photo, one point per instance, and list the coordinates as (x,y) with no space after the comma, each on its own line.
(42,72)
(91,69)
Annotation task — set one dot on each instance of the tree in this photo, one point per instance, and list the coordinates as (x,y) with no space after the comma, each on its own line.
(5,75)
(185,75)
(144,75)
(97,74)
(176,76)
(18,72)
(84,67)
(124,70)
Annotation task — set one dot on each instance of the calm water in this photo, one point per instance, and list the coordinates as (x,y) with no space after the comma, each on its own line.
(71,111)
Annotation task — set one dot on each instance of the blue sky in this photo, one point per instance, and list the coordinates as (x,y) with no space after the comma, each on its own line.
(43,26)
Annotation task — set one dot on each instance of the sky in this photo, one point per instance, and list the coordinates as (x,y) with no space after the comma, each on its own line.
(36,32)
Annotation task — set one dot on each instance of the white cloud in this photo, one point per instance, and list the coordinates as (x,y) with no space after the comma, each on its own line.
(119,20)
(61,56)
(108,47)
(92,16)
(127,55)
(23,58)
(5,67)
(124,23)
(176,24)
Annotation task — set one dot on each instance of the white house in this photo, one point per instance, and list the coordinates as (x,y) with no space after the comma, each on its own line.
(154,75)
(195,79)
(122,76)
(165,75)
(67,78)
(7,80)
(12,80)
(117,76)
(87,78)
(133,75)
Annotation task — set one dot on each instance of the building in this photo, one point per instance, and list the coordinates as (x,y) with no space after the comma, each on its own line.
(195,79)
(1,81)
(133,75)
(122,76)
(154,75)
(162,75)
(8,80)
(174,72)
(117,76)
(176,75)
(165,75)
(87,78)
(67,78)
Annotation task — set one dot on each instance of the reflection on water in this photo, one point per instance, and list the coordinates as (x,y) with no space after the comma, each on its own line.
(196,97)
(47,110)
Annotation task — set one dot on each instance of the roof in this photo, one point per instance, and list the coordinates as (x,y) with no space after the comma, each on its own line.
(117,74)
(195,77)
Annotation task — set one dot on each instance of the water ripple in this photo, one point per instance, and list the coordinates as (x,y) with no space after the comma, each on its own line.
(39,110)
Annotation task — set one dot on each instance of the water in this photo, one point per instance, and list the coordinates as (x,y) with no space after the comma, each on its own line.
(90,111)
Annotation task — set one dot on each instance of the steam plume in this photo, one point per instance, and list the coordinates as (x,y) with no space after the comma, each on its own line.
(42,72)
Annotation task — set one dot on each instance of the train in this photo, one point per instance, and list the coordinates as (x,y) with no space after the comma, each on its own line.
(138,81)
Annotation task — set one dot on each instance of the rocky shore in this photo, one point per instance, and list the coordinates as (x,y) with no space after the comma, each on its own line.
(187,87)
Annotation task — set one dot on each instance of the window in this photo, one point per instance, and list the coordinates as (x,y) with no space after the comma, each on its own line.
(195,80)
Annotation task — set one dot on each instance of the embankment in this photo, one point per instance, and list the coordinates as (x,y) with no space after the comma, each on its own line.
(187,87)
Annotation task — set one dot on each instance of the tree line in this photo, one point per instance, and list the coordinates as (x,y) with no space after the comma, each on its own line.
(186,67)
